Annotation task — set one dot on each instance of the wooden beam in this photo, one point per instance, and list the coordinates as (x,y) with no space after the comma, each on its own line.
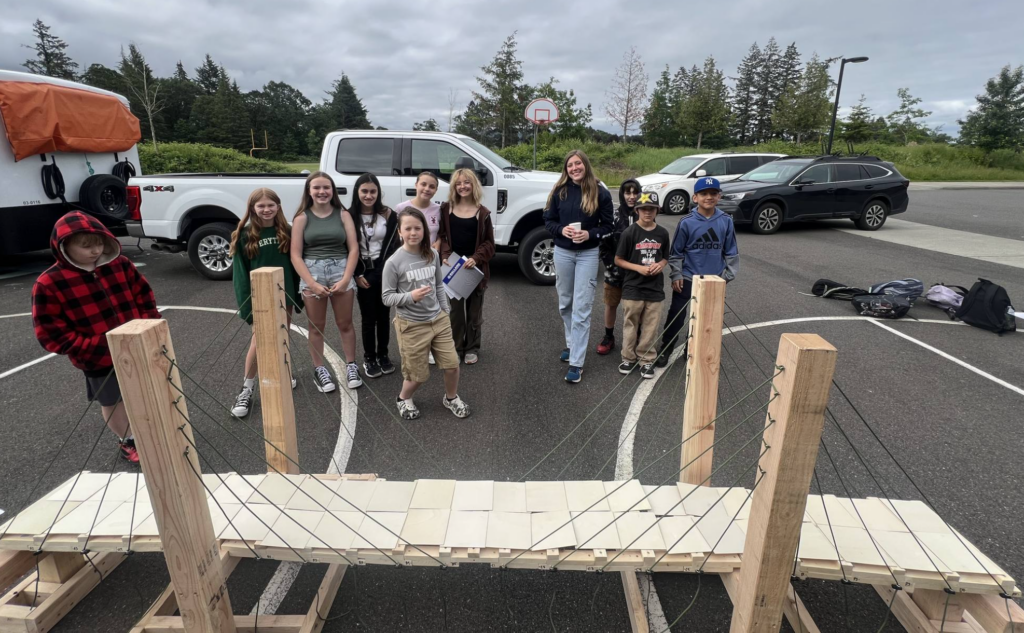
(241,624)
(793,607)
(14,565)
(270,320)
(932,603)
(166,604)
(59,567)
(635,603)
(994,614)
(792,433)
(142,353)
(315,620)
(702,366)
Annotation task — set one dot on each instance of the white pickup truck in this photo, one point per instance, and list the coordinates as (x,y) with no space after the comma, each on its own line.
(199,211)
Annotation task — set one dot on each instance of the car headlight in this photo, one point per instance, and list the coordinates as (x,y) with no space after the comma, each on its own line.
(657,187)
(735,196)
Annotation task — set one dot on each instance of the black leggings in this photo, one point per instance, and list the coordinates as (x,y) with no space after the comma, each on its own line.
(375,318)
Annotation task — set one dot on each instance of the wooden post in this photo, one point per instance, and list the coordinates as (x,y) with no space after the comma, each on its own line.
(171,466)
(702,366)
(270,319)
(777,506)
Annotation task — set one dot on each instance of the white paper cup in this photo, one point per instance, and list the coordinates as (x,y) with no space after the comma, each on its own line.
(576,226)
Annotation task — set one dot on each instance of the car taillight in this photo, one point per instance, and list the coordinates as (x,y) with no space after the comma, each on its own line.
(134,198)
(905,183)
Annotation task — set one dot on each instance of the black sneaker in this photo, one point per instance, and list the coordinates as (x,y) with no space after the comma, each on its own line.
(626,366)
(386,367)
(242,403)
(322,380)
(647,371)
(663,356)
(372,369)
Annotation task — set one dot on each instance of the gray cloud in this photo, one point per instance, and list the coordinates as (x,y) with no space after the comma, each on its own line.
(403,57)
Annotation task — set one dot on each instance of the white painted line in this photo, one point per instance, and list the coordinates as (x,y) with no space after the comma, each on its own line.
(956,360)
(11,372)
(11,316)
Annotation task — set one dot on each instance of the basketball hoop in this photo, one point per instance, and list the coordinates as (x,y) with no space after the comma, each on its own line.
(542,111)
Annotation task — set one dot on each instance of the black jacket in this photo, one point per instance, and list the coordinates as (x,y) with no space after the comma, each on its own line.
(624,216)
(564,212)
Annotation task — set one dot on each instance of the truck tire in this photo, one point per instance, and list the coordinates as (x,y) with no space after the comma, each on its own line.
(208,250)
(104,194)
(537,257)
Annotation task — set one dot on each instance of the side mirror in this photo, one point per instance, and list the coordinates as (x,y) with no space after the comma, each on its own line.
(701,173)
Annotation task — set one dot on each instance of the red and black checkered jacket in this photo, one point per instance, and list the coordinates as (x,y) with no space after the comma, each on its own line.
(73,309)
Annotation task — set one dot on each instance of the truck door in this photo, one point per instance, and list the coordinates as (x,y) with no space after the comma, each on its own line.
(380,156)
(443,157)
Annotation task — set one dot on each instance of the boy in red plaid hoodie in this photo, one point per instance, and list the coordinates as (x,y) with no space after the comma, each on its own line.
(91,290)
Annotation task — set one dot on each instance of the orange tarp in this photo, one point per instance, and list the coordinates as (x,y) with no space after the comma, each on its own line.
(42,118)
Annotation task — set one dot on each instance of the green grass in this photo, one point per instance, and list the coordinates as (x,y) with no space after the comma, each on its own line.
(301,166)
(616,162)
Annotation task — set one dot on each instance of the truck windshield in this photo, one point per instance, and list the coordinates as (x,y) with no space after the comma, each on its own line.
(489,154)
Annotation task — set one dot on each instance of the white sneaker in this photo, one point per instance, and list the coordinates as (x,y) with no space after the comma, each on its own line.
(407,409)
(472,358)
(430,358)
(352,373)
(242,403)
(323,381)
(295,382)
(456,405)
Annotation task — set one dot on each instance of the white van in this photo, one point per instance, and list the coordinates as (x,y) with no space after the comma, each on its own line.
(674,183)
(31,188)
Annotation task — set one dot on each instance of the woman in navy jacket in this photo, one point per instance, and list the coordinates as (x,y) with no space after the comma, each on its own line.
(579,214)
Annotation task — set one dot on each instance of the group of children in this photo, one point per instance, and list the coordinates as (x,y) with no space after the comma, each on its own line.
(635,251)
(384,258)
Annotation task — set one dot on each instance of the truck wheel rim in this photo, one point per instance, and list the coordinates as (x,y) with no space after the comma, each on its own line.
(677,204)
(110,200)
(543,257)
(768,219)
(874,216)
(213,253)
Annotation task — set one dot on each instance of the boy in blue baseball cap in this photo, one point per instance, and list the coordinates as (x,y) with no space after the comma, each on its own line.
(704,244)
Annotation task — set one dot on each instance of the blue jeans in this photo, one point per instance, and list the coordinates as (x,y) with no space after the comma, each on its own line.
(576,282)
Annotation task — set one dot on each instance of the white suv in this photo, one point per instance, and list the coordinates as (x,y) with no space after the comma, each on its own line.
(674,183)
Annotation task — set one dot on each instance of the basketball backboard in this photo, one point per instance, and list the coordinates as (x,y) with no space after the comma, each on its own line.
(542,111)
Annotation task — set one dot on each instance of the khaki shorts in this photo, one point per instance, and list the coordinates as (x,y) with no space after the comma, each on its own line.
(612,296)
(416,339)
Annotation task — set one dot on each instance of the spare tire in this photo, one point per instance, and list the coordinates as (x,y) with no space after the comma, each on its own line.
(104,194)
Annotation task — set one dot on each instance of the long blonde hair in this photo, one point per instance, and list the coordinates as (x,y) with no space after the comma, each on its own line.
(478,193)
(252,234)
(589,184)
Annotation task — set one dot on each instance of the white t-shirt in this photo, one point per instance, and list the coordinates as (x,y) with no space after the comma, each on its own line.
(371,235)
(431,213)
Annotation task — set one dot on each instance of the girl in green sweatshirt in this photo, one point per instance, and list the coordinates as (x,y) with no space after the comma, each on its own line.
(263,238)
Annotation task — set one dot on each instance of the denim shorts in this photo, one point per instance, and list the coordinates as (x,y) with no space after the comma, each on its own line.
(327,272)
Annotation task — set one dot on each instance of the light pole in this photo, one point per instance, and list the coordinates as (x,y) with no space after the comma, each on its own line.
(839,87)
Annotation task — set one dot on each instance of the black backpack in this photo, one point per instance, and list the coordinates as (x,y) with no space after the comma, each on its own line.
(881,306)
(987,306)
(828,289)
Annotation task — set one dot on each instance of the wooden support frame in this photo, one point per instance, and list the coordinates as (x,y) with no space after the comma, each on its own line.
(703,363)
(968,612)
(143,353)
(273,358)
(792,433)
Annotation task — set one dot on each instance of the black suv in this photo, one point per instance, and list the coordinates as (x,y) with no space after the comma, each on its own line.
(863,188)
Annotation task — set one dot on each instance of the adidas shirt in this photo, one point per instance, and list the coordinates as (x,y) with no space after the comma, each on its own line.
(704,246)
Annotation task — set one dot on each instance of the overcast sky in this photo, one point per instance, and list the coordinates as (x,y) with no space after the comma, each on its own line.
(403,57)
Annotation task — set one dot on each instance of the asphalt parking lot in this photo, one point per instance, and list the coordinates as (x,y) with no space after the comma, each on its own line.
(953,428)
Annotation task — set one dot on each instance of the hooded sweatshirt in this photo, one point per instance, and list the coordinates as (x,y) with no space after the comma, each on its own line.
(73,309)
(704,246)
(624,216)
(565,211)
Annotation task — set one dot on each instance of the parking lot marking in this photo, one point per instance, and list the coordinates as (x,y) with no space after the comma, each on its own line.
(986,248)
(11,316)
(956,360)
(11,372)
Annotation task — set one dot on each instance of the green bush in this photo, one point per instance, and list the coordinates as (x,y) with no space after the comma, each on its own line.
(178,158)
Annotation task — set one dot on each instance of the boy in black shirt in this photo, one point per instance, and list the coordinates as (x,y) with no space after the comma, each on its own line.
(642,253)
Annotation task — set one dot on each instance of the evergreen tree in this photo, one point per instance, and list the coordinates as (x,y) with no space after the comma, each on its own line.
(806,108)
(659,126)
(222,119)
(476,121)
(287,123)
(99,76)
(766,84)
(859,127)
(179,94)
(430,125)
(208,76)
(998,121)
(51,60)
(572,120)
(903,120)
(504,96)
(346,110)
(143,90)
(788,76)
(705,114)
(745,96)
(627,99)
(880,130)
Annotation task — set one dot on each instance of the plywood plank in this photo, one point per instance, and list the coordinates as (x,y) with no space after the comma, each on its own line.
(664,500)
(698,500)
(126,487)
(36,518)
(248,524)
(638,530)
(877,516)
(509,496)
(586,496)
(903,550)
(380,530)
(277,489)
(626,498)
(466,528)
(855,545)
(674,527)
(426,527)
(237,488)
(546,496)
(86,486)
(119,522)
(918,516)
(737,503)
(314,494)
(332,530)
(392,496)
(510,530)
(551,530)
(595,530)
(432,494)
(814,545)
(473,495)
(85,517)
(292,529)
(353,496)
